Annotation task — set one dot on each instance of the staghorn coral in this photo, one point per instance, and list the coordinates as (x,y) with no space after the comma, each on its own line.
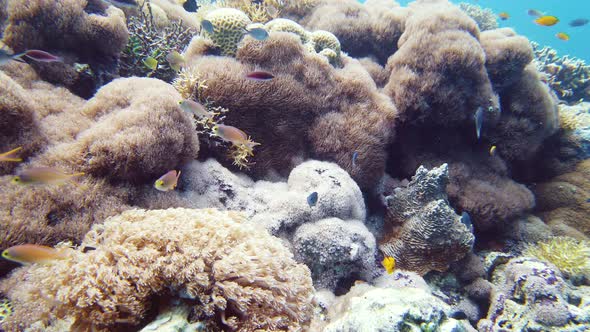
(240,278)
(424,233)
(438,75)
(570,256)
(568,77)
(369,29)
(147,39)
(228,28)
(484,17)
(85,32)
(309,110)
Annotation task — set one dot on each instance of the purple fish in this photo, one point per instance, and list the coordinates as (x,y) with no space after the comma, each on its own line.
(41,56)
(260,76)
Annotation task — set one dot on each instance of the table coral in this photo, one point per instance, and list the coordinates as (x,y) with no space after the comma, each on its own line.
(234,275)
(425,234)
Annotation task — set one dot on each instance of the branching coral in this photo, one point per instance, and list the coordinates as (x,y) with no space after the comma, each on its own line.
(148,40)
(234,275)
(572,257)
(484,17)
(569,77)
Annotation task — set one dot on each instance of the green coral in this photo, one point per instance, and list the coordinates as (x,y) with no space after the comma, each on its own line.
(229,25)
(570,256)
(5,309)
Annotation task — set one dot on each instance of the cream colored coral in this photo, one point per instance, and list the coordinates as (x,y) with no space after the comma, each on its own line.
(286,25)
(228,28)
(325,40)
(231,271)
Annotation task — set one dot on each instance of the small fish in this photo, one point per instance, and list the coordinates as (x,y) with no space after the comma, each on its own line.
(233,135)
(389,264)
(563,36)
(33,253)
(207,26)
(547,20)
(504,16)
(260,76)
(193,107)
(168,181)
(151,63)
(478,117)
(40,56)
(534,12)
(312,199)
(9,156)
(190,6)
(493,150)
(258,33)
(355,155)
(579,22)
(466,220)
(39,175)
(175,59)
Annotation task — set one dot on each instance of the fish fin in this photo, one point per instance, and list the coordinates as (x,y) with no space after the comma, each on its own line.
(16,160)
(11,151)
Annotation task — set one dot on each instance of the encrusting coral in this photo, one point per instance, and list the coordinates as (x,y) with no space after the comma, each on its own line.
(424,233)
(234,275)
(69,28)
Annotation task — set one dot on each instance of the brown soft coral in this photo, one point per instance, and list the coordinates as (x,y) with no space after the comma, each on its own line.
(369,29)
(234,275)
(72,29)
(309,110)
(438,75)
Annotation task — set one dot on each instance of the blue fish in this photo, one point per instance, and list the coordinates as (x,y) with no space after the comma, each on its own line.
(355,155)
(478,121)
(258,33)
(466,220)
(207,26)
(312,199)
(588,200)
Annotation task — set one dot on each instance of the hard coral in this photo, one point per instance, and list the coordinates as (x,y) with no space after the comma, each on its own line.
(425,233)
(70,28)
(228,28)
(310,109)
(484,17)
(240,278)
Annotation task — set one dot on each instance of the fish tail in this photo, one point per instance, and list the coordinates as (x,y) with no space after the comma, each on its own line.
(19,57)
(16,160)
(11,151)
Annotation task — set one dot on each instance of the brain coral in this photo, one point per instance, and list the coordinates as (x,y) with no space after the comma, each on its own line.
(425,233)
(228,28)
(235,276)
(309,110)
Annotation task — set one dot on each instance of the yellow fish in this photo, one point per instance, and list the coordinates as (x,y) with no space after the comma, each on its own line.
(233,135)
(563,36)
(151,63)
(175,59)
(168,181)
(33,253)
(493,150)
(37,175)
(547,20)
(389,264)
(504,16)
(9,156)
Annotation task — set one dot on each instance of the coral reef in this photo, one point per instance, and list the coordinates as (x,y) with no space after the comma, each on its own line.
(66,28)
(531,296)
(484,17)
(134,261)
(570,256)
(228,28)
(426,234)
(569,77)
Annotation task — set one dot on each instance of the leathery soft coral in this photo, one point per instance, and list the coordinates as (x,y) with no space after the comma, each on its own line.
(85,32)
(235,276)
(309,110)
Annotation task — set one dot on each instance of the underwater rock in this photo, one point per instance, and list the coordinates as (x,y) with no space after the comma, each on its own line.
(240,278)
(368,308)
(532,296)
(335,251)
(425,233)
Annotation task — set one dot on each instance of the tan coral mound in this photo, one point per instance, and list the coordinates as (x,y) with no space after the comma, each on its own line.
(236,276)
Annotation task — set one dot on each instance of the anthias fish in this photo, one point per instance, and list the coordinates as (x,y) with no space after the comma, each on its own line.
(41,56)
(562,36)
(534,12)
(42,175)
(233,135)
(547,20)
(579,22)
(260,76)
(33,253)
(195,108)
(504,16)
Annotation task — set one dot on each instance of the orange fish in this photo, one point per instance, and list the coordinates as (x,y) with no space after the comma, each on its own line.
(168,181)
(563,36)
(33,253)
(38,175)
(9,156)
(504,16)
(233,135)
(547,20)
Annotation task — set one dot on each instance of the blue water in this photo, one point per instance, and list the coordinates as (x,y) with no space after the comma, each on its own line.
(565,10)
